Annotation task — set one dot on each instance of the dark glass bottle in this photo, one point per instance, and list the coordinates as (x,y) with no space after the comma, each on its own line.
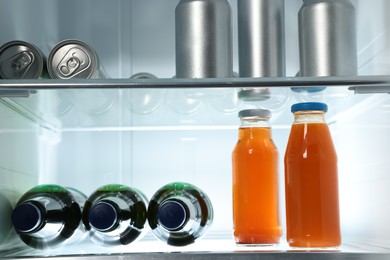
(179,213)
(49,215)
(115,214)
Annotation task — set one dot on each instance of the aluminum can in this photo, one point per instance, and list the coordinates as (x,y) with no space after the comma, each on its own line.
(21,60)
(327,38)
(73,59)
(261,43)
(203,39)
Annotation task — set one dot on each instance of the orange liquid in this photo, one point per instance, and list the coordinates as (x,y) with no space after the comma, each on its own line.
(312,205)
(255,188)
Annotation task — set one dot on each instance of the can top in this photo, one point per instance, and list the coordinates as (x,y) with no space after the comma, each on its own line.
(73,59)
(20,60)
(254,113)
(308,106)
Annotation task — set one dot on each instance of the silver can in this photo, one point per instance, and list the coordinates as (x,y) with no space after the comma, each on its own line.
(21,60)
(327,38)
(73,59)
(261,43)
(203,39)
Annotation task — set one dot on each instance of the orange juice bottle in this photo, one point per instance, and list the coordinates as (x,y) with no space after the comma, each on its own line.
(311,182)
(255,181)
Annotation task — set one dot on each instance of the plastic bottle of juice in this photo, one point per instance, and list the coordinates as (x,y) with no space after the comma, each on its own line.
(179,213)
(115,214)
(255,181)
(311,182)
(49,215)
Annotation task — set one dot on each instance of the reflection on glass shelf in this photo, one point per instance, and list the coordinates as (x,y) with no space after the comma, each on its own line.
(93,102)
(132,109)
(144,101)
(184,101)
(210,248)
(228,102)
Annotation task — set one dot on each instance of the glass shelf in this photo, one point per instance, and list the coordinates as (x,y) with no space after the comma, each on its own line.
(206,248)
(229,255)
(179,104)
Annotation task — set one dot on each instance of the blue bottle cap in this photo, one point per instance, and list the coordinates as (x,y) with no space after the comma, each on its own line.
(307,90)
(26,217)
(103,216)
(309,106)
(172,215)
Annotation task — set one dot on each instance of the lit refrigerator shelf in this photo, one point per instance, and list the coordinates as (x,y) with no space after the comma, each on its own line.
(229,255)
(148,251)
(379,83)
(212,246)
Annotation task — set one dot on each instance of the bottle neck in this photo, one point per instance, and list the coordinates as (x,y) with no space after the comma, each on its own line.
(316,116)
(248,122)
(255,127)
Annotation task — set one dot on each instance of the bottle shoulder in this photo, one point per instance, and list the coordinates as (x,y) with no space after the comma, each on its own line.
(314,138)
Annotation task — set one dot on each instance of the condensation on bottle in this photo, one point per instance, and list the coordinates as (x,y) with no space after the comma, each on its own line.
(49,215)
(115,214)
(179,213)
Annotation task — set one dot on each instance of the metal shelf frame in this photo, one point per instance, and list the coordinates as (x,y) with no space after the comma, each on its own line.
(359,84)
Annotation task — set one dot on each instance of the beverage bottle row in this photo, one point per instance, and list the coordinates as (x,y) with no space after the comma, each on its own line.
(50,215)
(311,181)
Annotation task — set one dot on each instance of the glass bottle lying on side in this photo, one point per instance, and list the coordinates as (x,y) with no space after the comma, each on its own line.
(115,214)
(49,215)
(179,213)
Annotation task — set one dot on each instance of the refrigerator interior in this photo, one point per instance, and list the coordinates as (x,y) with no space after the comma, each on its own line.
(85,138)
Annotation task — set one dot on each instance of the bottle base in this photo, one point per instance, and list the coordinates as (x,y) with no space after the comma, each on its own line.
(314,249)
(256,244)
(314,246)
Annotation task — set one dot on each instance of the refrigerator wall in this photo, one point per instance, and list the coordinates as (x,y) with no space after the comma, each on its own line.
(88,137)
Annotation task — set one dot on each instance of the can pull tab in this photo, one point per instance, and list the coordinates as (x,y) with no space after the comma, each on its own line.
(74,61)
(70,66)
(18,64)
